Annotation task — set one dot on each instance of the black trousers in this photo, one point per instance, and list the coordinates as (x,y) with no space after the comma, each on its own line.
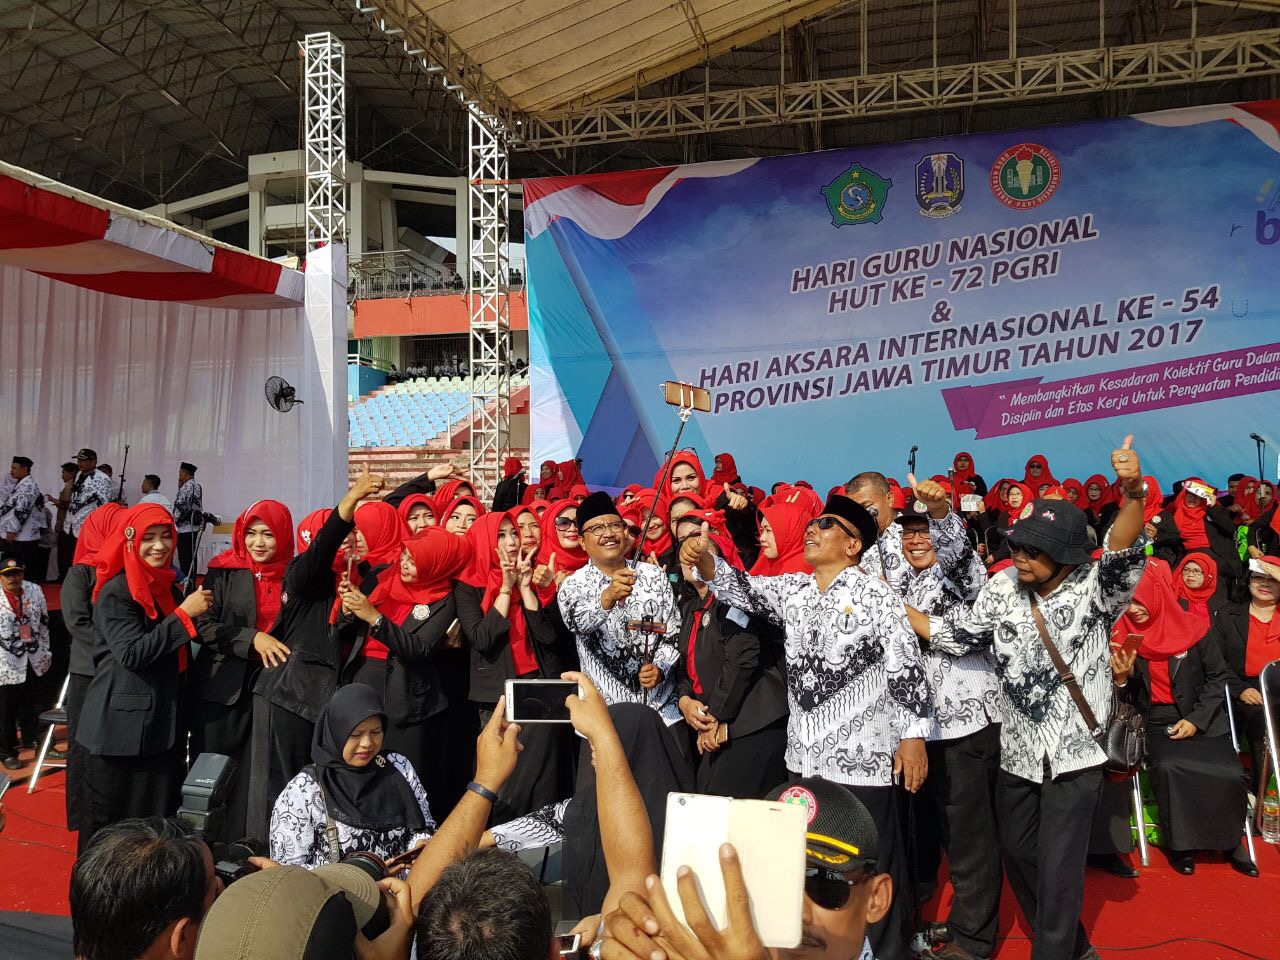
(1044,832)
(280,748)
(66,553)
(77,755)
(20,706)
(962,783)
(227,729)
(117,788)
(745,767)
(186,542)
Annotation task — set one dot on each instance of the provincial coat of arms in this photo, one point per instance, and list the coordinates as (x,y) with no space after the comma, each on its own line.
(857,196)
(939,185)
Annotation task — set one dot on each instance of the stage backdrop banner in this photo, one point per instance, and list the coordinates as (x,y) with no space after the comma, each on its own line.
(1040,291)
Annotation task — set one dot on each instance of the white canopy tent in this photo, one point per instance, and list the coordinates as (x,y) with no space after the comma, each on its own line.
(119,328)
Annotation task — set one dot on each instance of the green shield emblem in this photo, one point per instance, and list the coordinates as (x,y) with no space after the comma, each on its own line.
(857,196)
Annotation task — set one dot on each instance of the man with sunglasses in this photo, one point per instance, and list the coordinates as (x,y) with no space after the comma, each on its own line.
(623,616)
(963,747)
(859,704)
(1050,763)
(844,894)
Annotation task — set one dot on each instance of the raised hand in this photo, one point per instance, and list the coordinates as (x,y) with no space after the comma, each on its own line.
(737,501)
(1124,460)
(932,494)
(694,549)
(197,604)
(444,471)
(524,568)
(508,564)
(367,484)
(620,587)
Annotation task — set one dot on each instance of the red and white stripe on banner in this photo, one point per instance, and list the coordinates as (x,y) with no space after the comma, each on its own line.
(103,248)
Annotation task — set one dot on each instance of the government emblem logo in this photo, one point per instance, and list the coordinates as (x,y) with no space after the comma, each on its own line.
(939,185)
(1025,176)
(421,611)
(803,797)
(857,196)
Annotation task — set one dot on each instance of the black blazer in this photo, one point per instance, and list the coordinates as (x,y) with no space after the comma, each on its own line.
(1221,532)
(304,683)
(77,614)
(227,666)
(1262,536)
(1230,631)
(410,684)
(486,632)
(419,484)
(742,678)
(741,524)
(1199,686)
(131,708)
(509,493)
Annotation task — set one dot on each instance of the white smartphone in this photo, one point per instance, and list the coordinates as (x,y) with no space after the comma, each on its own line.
(769,838)
(970,503)
(539,701)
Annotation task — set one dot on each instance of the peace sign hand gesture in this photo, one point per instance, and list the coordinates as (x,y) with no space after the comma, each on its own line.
(524,568)
(508,565)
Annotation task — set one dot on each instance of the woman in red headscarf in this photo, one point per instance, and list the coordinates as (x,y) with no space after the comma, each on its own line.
(548,478)
(569,476)
(131,724)
(77,614)
(726,492)
(657,535)
(684,476)
(1195,582)
(245,582)
(288,698)
(1177,682)
(964,470)
(405,620)
(560,552)
(511,638)
(1195,521)
(511,488)
(460,514)
(782,527)
(450,491)
(418,511)
(995,525)
(1037,472)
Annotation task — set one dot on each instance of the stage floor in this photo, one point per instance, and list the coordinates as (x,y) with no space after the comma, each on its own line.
(1160,915)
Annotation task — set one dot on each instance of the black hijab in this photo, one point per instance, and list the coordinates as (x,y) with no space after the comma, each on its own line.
(658,768)
(372,797)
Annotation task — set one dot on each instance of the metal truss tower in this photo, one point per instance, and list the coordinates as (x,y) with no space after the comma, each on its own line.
(487,288)
(324,98)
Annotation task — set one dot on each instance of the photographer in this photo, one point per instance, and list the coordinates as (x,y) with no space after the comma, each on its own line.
(141,889)
(353,796)
(840,901)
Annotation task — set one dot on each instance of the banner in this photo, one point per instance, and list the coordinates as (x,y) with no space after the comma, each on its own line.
(1043,291)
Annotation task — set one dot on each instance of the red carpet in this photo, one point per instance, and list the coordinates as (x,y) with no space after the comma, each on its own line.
(1131,917)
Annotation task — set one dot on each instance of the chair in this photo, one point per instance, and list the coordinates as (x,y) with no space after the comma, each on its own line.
(54,718)
(1235,743)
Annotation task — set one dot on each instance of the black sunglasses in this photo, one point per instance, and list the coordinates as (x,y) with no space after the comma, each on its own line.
(827,522)
(831,890)
(1031,553)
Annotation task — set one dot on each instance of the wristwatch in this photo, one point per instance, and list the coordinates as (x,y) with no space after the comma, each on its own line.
(1137,496)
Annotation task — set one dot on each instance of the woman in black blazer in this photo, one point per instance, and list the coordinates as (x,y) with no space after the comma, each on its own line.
(512,638)
(410,612)
(246,583)
(731,688)
(1179,682)
(1193,523)
(133,724)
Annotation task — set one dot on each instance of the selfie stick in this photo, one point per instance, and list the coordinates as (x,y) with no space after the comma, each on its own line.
(686,411)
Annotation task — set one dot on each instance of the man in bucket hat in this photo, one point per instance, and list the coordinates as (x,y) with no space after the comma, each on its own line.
(1050,763)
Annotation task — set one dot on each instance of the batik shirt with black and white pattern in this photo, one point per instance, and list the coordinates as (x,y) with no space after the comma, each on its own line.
(188,505)
(886,560)
(541,828)
(610,654)
(88,493)
(1040,720)
(22,512)
(966,697)
(855,676)
(299,822)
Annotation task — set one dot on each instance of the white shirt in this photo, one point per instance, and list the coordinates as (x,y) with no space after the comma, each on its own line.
(22,511)
(886,560)
(15,652)
(855,676)
(611,655)
(155,496)
(1040,720)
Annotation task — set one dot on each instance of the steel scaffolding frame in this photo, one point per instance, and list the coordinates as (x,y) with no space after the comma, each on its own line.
(487,237)
(324,98)
(1042,76)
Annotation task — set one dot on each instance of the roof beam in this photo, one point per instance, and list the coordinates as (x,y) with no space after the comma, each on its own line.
(1043,76)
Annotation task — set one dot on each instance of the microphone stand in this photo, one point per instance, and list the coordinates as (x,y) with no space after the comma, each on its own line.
(1261,444)
(190,579)
(911,459)
(123,470)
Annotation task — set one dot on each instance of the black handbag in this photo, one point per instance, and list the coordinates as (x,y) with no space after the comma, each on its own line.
(1124,736)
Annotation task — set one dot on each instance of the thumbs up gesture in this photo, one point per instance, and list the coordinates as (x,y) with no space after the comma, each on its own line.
(367,484)
(545,574)
(932,495)
(1124,460)
(694,550)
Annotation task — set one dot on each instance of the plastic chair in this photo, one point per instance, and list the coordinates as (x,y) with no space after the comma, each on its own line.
(54,718)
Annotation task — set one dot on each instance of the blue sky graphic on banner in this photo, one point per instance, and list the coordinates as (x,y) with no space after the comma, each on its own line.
(1042,291)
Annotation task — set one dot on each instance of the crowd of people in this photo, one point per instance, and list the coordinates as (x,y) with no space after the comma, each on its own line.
(932,652)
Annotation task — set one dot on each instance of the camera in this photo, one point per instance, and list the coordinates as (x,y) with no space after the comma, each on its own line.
(203,810)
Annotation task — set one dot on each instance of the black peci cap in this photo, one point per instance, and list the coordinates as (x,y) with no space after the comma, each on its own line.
(23,462)
(87,454)
(189,467)
(598,504)
(856,514)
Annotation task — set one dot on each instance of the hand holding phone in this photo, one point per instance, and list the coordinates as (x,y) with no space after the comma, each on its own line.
(540,701)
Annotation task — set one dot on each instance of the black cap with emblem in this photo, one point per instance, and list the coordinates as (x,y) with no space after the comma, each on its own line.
(841,835)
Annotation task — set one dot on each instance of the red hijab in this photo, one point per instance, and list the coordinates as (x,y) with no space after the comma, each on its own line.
(1105,494)
(453,504)
(151,588)
(788,522)
(726,470)
(579,491)
(1247,499)
(665,494)
(95,530)
(1198,599)
(1015,513)
(440,558)
(1046,475)
(1154,504)
(1072,485)
(511,466)
(448,491)
(995,498)
(963,475)
(567,559)
(569,475)
(383,531)
(539,504)
(802,497)
(663,543)
(1169,630)
(416,500)
(484,572)
(1189,519)
(268,577)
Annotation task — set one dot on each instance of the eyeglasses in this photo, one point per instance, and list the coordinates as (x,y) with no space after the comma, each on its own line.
(831,890)
(611,526)
(565,523)
(915,533)
(827,522)
(1031,553)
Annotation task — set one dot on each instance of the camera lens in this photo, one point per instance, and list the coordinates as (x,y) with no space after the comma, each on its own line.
(370,863)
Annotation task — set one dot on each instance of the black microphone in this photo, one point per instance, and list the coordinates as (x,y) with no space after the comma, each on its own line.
(915,447)
(1257,439)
